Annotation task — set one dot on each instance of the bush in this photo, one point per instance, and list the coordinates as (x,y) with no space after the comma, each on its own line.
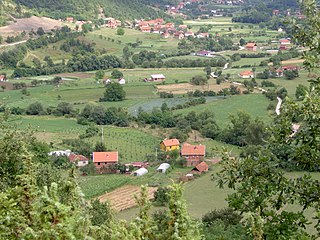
(226,215)
(35,109)
(199,80)
(161,197)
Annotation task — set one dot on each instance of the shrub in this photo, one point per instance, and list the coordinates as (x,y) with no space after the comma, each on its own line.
(226,215)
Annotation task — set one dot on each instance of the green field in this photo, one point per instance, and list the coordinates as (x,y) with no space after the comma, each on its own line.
(133,144)
(254,104)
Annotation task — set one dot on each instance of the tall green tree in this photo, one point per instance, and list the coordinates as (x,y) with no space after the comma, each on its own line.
(114,92)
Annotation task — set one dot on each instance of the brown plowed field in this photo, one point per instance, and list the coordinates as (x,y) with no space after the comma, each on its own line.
(28,24)
(123,198)
(183,88)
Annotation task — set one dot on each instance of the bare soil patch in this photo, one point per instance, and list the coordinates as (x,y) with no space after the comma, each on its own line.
(183,88)
(29,24)
(292,61)
(123,198)
(78,75)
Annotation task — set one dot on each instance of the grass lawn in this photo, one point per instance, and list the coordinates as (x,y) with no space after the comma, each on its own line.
(254,104)
(49,128)
(133,144)
(202,195)
(93,186)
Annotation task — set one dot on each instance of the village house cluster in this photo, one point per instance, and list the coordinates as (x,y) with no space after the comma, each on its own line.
(107,162)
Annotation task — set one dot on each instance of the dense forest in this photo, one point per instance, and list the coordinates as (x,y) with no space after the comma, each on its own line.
(82,9)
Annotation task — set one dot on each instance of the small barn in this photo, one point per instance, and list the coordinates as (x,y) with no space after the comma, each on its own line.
(200,168)
(163,167)
(140,172)
(158,77)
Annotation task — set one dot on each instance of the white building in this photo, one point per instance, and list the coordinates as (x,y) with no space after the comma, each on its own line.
(163,167)
(140,172)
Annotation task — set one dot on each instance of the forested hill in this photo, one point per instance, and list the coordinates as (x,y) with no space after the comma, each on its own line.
(84,9)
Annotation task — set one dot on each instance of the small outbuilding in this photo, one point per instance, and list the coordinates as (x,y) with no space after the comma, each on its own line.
(200,168)
(158,77)
(122,81)
(140,172)
(163,167)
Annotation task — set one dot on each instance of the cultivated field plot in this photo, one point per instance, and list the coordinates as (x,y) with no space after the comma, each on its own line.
(123,198)
(28,24)
(133,144)
(184,88)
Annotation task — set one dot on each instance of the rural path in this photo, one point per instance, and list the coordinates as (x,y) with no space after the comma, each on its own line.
(12,44)
(278,106)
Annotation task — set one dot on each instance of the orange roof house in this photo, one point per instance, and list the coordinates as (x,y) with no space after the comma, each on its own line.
(193,153)
(170,144)
(200,168)
(103,160)
(146,29)
(79,160)
(246,74)
(251,46)
(284,41)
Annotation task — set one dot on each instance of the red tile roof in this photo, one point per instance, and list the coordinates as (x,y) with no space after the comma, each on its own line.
(246,73)
(193,150)
(105,157)
(251,45)
(171,142)
(284,41)
(74,157)
(202,167)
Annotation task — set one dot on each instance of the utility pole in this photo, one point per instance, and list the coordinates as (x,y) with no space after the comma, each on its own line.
(102,137)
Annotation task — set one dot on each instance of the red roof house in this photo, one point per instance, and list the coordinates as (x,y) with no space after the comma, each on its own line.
(251,46)
(284,41)
(246,74)
(79,160)
(200,168)
(104,160)
(145,29)
(193,153)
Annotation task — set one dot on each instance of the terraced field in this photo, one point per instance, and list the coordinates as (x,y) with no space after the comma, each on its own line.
(123,198)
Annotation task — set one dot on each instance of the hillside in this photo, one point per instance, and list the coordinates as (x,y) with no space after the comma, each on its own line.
(82,9)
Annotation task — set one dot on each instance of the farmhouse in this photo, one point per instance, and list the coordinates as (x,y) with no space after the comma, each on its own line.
(79,160)
(158,77)
(3,78)
(204,53)
(200,168)
(189,34)
(203,35)
(145,29)
(284,41)
(104,160)
(163,167)
(251,46)
(70,19)
(170,144)
(193,153)
(178,35)
(165,35)
(280,71)
(246,74)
